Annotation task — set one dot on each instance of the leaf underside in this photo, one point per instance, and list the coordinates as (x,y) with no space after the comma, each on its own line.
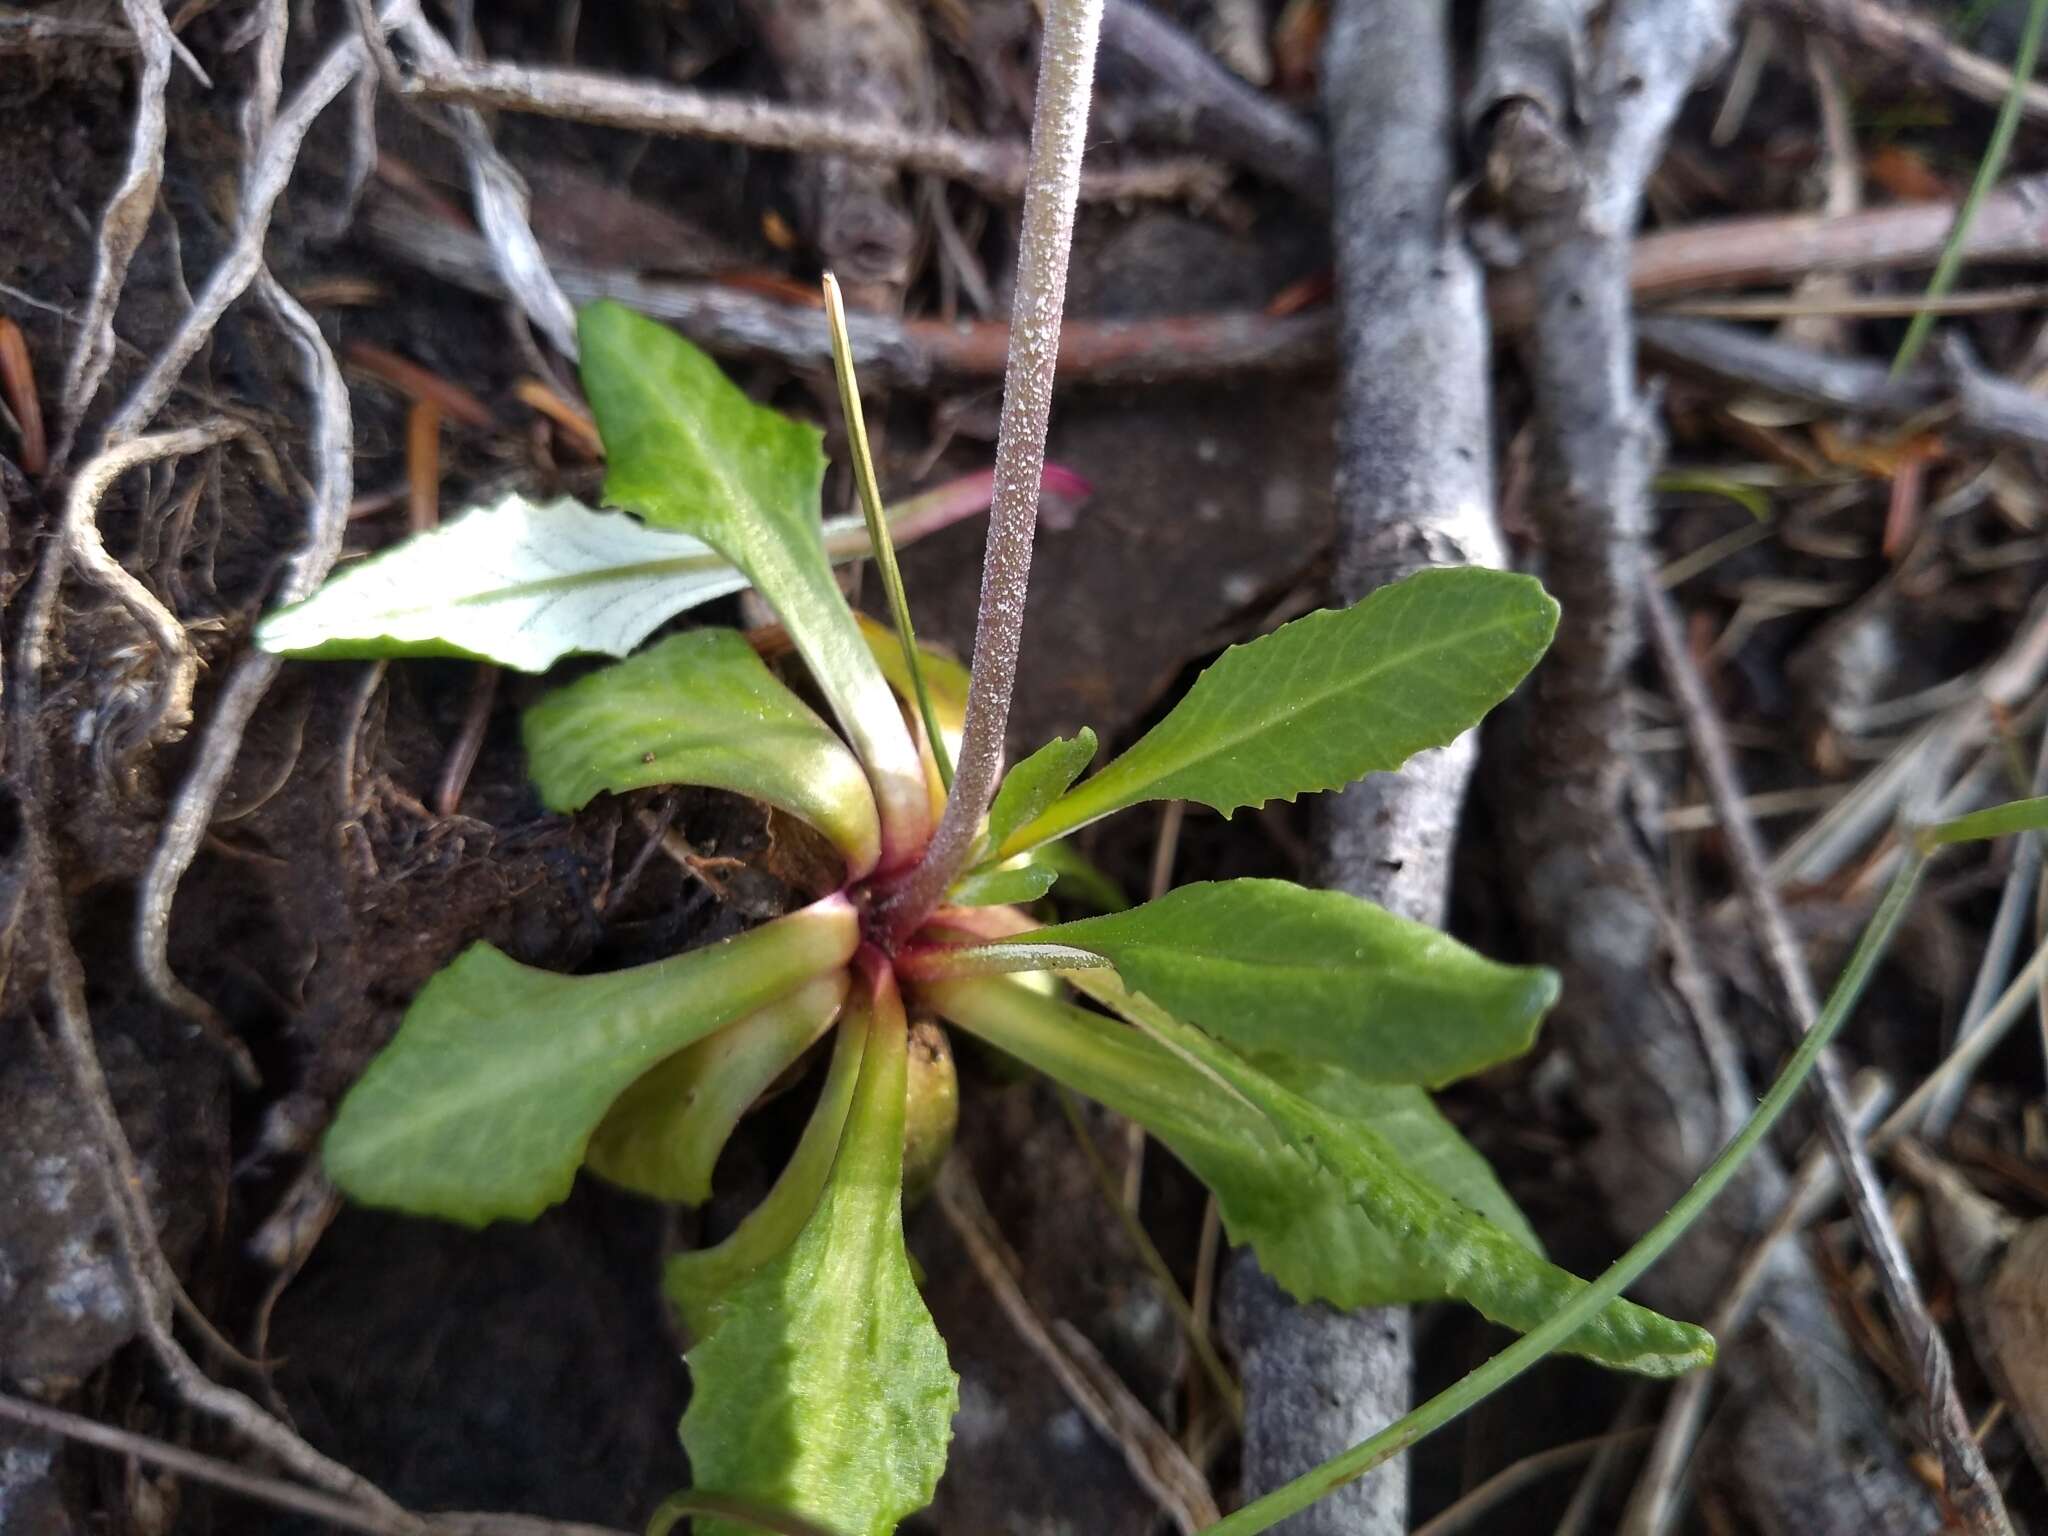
(700,708)
(523,583)
(483,1103)
(824,1388)
(518,582)
(1272,966)
(1327,699)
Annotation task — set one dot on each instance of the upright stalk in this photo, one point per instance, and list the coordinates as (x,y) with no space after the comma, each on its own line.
(1066,77)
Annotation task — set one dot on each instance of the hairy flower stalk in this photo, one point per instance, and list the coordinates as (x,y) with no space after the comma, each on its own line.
(1066,76)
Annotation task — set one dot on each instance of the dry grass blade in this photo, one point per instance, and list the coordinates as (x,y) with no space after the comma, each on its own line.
(500,197)
(423,466)
(1920,46)
(410,379)
(263,183)
(1512,1479)
(18,380)
(1655,1502)
(80,545)
(272,1491)
(1971,1488)
(122,226)
(1192,1327)
(191,809)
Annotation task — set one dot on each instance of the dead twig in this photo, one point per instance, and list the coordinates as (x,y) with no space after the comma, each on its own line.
(1415,489)
(1173,88)
(1529,50)
(734,322)
(1158,1463)
(1961,396)
(992,167)
(1657,1069)
(1801,305)
(1916,45)
(2012,226)
(273,1491)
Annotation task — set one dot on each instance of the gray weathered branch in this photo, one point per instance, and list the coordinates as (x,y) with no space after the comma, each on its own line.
(1656,1070)
(1415,489)
(1974,403)
(992,166)
(1174,89)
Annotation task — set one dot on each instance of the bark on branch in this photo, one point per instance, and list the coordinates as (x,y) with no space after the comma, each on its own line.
(1656,1071)
(1415,488)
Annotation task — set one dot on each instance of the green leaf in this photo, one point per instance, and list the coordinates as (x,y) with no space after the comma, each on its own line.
(701,708)
(824,1387)
(1327,699)
(1035,783)
(1270,965)
(481,1106)
(1477,1262)
(663,1136)
(1002,885)
(1433,1149)
(1992,821)
(1082,881)
(698,1281)
(1328,1198)
(1310,1236)
(518,582)
(686,449)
